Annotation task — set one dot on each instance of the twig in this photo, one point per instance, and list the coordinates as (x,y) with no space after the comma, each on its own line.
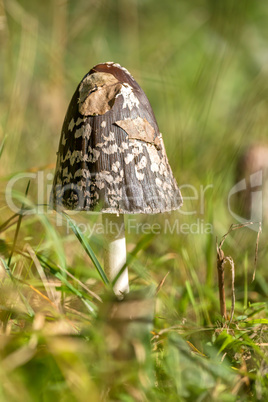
(234,227)
(221,260)
(220,268)
(162,282)
(231,262)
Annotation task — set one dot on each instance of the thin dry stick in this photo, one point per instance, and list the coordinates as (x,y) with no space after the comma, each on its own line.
(234,227)
(231,262)
(161,283)
(221,260)
(220,268)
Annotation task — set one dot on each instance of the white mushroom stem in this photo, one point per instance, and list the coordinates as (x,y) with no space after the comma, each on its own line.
(115,254)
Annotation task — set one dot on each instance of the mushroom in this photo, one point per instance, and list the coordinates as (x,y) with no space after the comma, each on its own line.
(112,159)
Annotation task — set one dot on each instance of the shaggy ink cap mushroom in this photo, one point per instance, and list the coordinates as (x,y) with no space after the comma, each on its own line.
(112,159)
(111,154)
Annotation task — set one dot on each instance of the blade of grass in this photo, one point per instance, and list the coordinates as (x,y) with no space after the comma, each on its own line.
(6,224)
(52,234)
(246,281)
(93,294)
(2,145)
(192,299)
(87,248)
(53,269)
(14,281)
(18,227)
(51,291)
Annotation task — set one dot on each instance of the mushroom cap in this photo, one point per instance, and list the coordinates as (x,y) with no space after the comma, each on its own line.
(111,154)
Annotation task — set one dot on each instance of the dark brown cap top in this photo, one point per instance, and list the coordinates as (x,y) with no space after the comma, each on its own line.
(111,155)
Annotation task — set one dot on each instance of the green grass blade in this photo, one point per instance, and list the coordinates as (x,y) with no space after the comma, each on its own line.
(6,267)
(54,271)
(8,223)
(246,281)
(91,307)
(87,248)
(18,226)
(15,281)
(2,145)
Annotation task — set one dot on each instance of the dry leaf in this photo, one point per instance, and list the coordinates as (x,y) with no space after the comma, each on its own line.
(97,94)
(138,129)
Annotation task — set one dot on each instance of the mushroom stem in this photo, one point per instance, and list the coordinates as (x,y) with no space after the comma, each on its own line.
(115,252)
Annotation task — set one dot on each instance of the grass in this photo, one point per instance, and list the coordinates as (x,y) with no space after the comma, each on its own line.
(202,65)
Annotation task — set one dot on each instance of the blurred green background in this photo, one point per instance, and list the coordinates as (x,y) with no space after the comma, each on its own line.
(203,66)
